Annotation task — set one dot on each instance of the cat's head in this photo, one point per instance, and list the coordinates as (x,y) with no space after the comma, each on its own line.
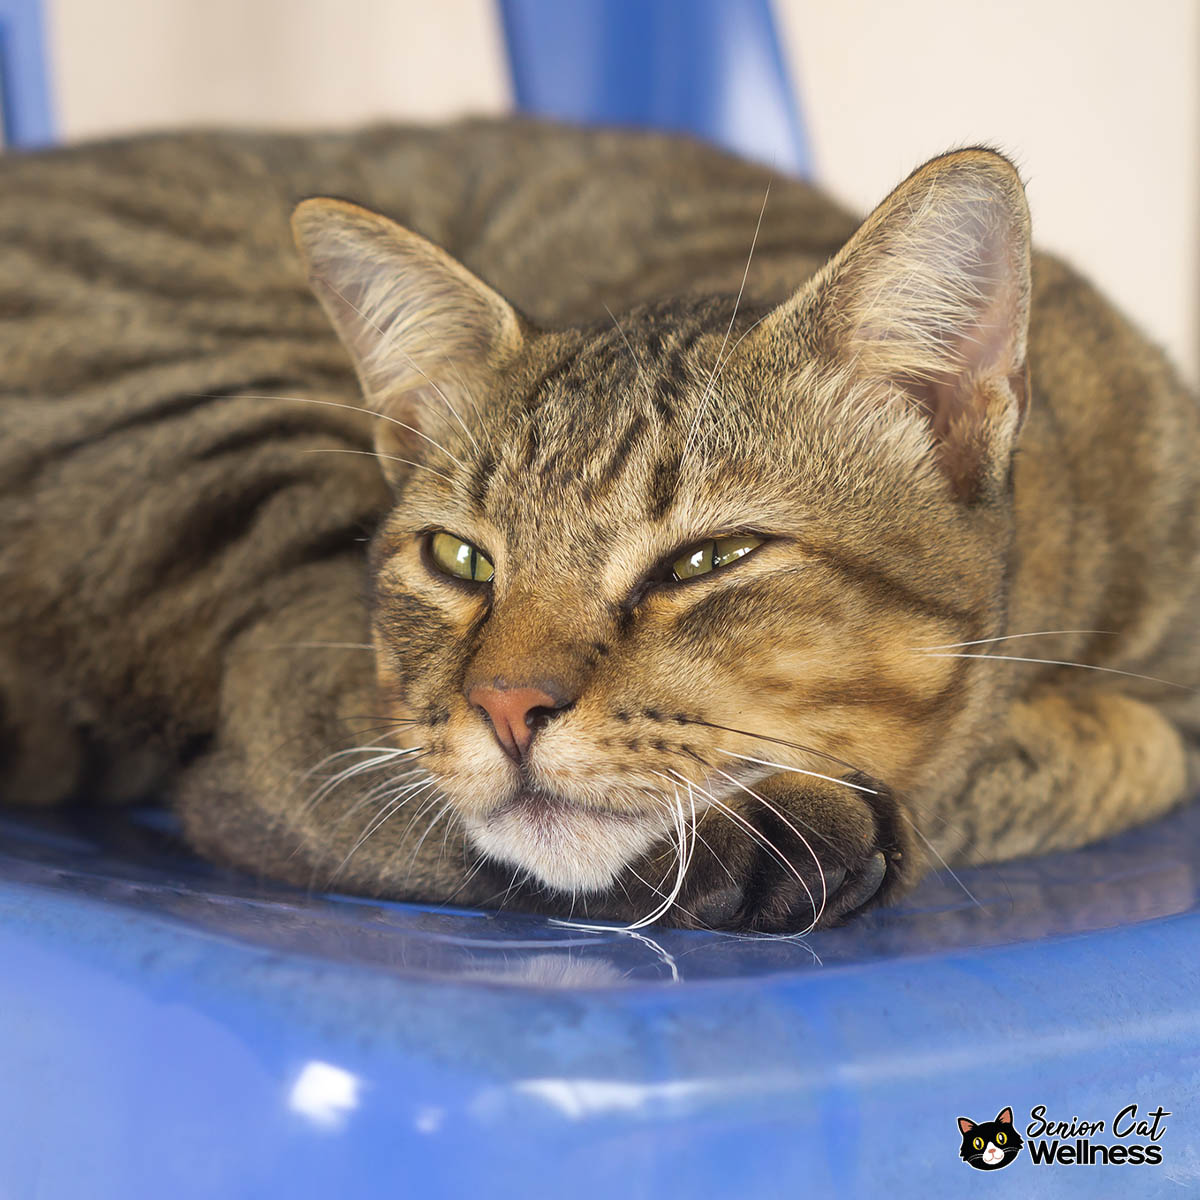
(992,1145)
(632,567)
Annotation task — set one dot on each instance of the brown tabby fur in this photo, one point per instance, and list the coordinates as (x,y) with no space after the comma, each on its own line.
(186,604)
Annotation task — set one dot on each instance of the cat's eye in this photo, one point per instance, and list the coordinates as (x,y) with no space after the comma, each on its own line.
(978,1143)
(453,556)
(1001,1138)
(711,554)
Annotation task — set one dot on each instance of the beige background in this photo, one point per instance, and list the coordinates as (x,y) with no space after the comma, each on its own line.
(1099,102)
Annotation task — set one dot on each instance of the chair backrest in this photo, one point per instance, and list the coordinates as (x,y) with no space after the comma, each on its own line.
(712,68)
(708,67)
(25,113)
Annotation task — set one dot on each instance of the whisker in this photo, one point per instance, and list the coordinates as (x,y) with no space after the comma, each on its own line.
(483,428)
(332,784)
(397,790)
(668,900)
(646,884)
(512,883)
(811,829)
(1008,637)
(437,816)
(1054,662)
(817,913)
(388,720)
(688,846)
(498,900)
(733,348)
(373,795)
(408,788)
(636,362)
(663,955)
(700,411)
(799,771)
(293,399)
(767,844)
(763,737)
(370,412)
(425,437)
(716,858)
(385,754)
(313,646)
(411,362)
(761,838)
(945,865)
(384,730)
(680,868)
(479,862)
(408,462)
(373,826)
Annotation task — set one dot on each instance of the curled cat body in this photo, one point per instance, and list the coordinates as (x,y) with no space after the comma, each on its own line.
(563,554)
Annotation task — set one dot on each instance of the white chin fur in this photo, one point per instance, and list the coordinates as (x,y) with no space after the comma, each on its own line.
(569,850)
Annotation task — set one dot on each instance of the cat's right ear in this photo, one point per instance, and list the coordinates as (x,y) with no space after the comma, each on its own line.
(964,1125)
(425,335)
(928,305)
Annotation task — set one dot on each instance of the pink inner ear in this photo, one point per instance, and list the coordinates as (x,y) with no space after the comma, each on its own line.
(1005,1118)
(952,397)
(965,1126)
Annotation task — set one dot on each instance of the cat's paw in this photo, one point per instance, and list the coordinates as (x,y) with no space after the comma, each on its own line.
(802,855)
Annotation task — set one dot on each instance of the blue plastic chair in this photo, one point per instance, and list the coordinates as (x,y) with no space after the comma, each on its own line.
(712,68)
(168,1029)
(25,109)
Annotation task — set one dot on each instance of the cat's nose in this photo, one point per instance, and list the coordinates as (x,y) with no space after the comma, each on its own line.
(517,713)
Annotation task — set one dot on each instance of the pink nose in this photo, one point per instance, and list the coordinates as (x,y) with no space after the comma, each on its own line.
(516,714)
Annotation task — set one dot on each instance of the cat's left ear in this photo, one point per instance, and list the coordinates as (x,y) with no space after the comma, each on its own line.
(930,300)
(1005,1117)
(425,335)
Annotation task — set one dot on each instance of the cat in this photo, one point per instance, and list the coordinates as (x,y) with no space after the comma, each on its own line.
(992,1145)
(622,532)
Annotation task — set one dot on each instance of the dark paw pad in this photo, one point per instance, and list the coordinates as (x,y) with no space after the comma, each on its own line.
(815,859)
(857,890)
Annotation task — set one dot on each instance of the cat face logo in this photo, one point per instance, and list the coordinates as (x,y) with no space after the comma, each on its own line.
(992,1145)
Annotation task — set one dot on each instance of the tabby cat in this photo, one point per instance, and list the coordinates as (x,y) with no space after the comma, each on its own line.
(566,555)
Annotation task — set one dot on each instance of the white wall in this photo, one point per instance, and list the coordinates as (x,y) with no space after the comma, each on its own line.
(1099,102)
(123,65)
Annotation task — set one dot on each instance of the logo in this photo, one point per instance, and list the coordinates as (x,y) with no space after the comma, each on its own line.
(992,1145)
(1128,1138)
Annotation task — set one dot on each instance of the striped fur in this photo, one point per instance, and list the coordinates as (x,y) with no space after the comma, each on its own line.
(939,451)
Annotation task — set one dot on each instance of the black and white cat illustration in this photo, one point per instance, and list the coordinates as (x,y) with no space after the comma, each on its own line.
(992,1145)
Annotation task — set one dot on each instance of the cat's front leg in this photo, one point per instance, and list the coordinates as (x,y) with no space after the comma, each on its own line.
(302,781)
(1066,766)
(801,852)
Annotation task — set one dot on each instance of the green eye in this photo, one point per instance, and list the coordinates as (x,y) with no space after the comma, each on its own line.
(460,559)
(709,555)
(978,1143)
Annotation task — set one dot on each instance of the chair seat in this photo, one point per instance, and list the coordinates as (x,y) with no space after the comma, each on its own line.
(172,1029)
